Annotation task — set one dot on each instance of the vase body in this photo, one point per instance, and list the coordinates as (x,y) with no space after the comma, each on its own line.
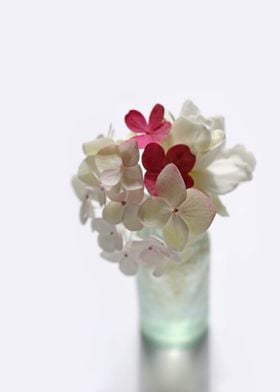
(174,307)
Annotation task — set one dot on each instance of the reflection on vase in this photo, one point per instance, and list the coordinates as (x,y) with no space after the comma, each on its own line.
(174,370)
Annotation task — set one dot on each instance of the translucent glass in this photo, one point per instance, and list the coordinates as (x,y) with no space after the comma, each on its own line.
(174,307)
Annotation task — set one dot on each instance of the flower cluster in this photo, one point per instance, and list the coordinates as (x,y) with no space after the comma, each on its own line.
(146,196)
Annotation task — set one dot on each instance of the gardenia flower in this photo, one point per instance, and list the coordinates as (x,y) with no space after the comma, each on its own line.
(177,211)
(216,171)
(85,194)
(123,208)
(109,239)
(156,130)
(154,160)
(118,165)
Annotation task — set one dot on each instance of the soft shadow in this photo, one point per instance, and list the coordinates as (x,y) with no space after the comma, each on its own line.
(174,370)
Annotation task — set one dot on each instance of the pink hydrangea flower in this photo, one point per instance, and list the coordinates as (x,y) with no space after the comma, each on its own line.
(155,130)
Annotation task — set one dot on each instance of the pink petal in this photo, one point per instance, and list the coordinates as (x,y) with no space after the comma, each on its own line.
(136,122)
(163,129)
(143,140)
(156,117)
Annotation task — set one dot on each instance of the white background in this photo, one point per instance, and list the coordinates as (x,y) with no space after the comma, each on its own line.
(68,320)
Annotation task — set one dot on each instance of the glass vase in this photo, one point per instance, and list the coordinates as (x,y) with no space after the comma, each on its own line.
(174,307)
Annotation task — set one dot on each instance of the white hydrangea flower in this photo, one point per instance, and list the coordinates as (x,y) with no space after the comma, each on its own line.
(123,208)
(126,258)
(217,171)
(109,239)
(118,165)
(85,194)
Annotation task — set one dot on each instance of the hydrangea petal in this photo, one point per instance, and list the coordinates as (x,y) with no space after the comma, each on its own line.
(170,185)
(175,233)
(86,211)
(113,212)
(86,172)
(101,226)
(114,257)
(154,212)
(132,178)
(110,177)
(135,196)
(197,211)
(150,182)
(92,147)
(156,117)
(129,152)
(108,158)
(130,217)
(136,122)
(106,243)
(128,266)
(153,158)
(181,156)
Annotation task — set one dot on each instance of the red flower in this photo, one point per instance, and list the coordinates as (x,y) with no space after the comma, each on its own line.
(156,130)
(154,160)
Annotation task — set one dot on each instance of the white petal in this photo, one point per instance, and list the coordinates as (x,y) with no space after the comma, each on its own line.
(175,233)
(197,211)
(105,241)
(129,152)
(110,177)
(115,257)
(195,135)
(229,169)
(101,197)
(132,178)
(92,148)
(118,241)
(135,196)
(170,185)
(86,211)
(218,122)
(79,188)
(189,109)
(130,217)
(87,172)
(203,160)
(220,208)
(113,212)
(108,158)
(154,212)
(102,226)
(128,266)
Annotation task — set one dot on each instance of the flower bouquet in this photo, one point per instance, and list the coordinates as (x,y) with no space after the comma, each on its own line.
(151,199)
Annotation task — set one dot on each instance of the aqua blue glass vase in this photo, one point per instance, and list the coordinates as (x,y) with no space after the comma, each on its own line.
(174,307)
